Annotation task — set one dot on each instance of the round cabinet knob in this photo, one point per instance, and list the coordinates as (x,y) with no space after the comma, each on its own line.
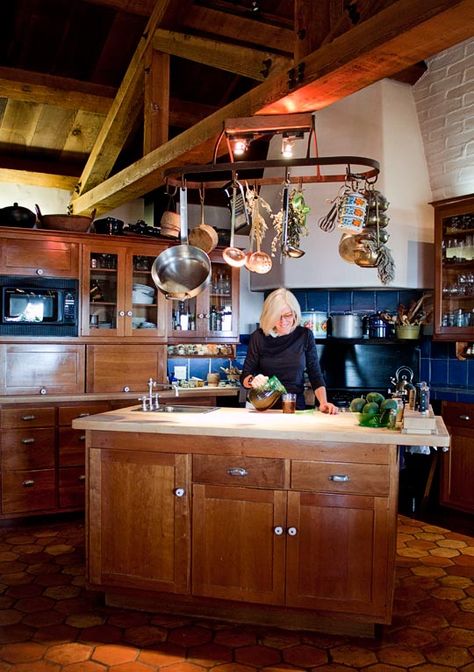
(122,313)
(278,530)
(129,313)
(180,492)
(43,390)
(126,388)
(201,316)
(292,532)
(39,271)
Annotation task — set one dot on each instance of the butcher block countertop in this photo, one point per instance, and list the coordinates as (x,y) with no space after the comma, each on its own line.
(250,424)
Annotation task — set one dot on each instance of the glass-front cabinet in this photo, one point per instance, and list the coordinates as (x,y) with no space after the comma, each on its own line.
(454,269)
(213,314)
(122,299)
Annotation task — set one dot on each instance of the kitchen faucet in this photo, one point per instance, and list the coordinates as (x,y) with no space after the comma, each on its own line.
(151,402)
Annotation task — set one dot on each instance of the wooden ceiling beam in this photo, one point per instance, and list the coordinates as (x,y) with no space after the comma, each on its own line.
(239,60)
(61,92)
(124,110)
(393,39)
(38,173)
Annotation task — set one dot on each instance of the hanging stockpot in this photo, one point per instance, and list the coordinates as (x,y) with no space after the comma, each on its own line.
(183,271)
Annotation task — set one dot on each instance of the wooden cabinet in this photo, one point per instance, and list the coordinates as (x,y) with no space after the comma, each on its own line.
(124,368)
(39,368)
(457,464)
(141,538)
(213,315)
(119,297)
(454,269)
(24,254)
(299,534)
(28,460)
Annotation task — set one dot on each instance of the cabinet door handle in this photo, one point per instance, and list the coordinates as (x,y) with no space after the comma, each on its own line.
(292,531)
(29,440)
(28,484)
(82,477)
(126,388)
(122,313)
(237,471)
(278,530)
(28,417)
(464,417)
(82,437)
(39,271)
(129,313)
(43,390)
(83,415)
(180,492)
(339,478)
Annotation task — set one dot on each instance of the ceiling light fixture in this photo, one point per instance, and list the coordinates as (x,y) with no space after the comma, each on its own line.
(239,146)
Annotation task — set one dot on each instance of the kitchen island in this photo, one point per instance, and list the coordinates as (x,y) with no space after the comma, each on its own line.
(255,517)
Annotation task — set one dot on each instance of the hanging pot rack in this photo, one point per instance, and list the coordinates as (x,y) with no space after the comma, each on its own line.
(356,167)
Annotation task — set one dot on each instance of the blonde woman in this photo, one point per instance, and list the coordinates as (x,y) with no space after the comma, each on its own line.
(281,347)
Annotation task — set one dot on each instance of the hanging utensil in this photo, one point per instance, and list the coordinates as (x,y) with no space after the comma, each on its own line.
(233,255)
(203,236)
(183,271)
(258,261)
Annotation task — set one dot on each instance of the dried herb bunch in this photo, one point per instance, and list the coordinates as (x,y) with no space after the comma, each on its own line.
(255,205)
(297,226)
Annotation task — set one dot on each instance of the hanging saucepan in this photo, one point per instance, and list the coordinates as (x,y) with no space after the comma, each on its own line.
(182,271)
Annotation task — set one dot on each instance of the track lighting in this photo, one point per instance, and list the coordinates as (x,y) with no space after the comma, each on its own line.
(239,146)
(287,144)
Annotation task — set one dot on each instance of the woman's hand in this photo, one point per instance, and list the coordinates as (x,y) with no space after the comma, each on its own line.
(258,381)
(327,407)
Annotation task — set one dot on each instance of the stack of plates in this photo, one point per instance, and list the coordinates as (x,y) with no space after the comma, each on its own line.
(142,293)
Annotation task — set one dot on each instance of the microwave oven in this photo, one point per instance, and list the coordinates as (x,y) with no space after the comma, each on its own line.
(38,306)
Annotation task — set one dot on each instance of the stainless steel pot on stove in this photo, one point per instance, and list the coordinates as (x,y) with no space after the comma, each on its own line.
(347,325)
(183,271)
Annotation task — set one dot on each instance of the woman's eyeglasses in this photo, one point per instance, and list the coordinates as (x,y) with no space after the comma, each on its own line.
(287,316)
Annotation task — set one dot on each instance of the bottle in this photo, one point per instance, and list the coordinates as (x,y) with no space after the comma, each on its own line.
(212,319)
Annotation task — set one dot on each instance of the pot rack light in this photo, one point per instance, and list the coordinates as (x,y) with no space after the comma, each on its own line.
(240,132)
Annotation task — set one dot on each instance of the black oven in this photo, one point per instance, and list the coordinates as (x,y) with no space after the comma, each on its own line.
(38,306)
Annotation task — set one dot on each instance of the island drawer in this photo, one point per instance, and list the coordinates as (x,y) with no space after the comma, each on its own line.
(347,477)
(34,416)
(242,471)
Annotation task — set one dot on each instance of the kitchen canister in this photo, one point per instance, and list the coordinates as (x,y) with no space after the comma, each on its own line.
(317,321)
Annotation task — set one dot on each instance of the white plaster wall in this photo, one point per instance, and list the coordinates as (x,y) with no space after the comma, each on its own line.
(379,122)
(444,99)
(50,201)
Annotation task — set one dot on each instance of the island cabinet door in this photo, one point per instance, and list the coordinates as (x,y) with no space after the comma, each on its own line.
(139,520)
(238,543)
(338,553)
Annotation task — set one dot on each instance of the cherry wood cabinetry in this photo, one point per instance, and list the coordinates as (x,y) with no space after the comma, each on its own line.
(119,297)
(40,368)
(124,368)
(299,534)
(49,255)
(454,269)
(457,464)
(141,538)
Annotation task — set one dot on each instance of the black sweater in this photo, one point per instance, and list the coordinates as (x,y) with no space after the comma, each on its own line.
(285,357)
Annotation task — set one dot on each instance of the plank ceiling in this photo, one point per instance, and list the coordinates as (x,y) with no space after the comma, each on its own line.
(101,96)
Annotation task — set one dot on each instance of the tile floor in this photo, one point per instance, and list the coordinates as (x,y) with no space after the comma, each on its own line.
(49,623)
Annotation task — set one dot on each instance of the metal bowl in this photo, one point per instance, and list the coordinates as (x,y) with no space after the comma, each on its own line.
(181,272)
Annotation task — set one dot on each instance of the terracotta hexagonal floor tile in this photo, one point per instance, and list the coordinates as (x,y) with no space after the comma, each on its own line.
(446,593)
(55,634)
(382,667)
(433,561)
(84,620)
(444,552)
(175,667)
(128,619)
(41,619)
(429,536)
(353,656)
(228,667)
(260,656)
(58,549)
(432,572)
(210,654)
(191,635)
(22,652)
(113,654)
(403,656)
(454,656)
(37,666)
(69,652)
(463,619)
(468,550)
(106,634)
(25,590)
(412,552)
(428,621)
(451,543)
(12,567)
(62,592)
(145,635)
(7,556)
(20,539)
(332,667)
(234,637)
(281,639)
(13,634)
(10,616)
(163,655)
(47,580)
(414,637)
(461,582)
(304,655)
(32,604)
(87,666)
(170,620)
(456,637)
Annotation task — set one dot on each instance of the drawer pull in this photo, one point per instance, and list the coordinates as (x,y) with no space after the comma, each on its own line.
(83,415)
(82,477)
(180,492)
(339,478)
(464,417)
(278,530)
(237,471)
(29,440)
(28,417)
(28,484)
(82,437)
(292,531)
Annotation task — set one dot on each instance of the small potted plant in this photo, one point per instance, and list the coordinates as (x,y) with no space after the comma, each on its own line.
(409,319)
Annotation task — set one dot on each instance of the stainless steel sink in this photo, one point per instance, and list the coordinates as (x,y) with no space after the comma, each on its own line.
(179,408)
